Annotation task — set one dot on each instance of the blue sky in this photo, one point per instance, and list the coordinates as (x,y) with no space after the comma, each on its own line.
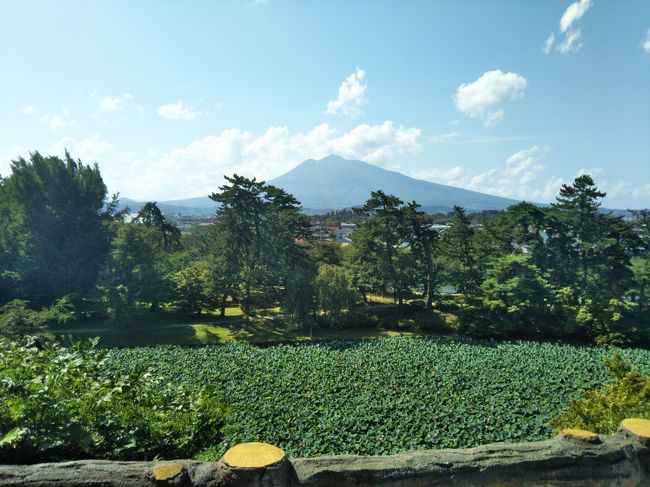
(169,96)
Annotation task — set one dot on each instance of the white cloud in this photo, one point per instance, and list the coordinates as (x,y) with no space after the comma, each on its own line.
(573,13)
(114,104)
(28,110)
(520,177)
(257,3)
(444,138)
(453,176)
(548,45)
(645,45)
(57,121)
(483,98)
(177,111)
(351,96)
(90,149)
(571,41)
(198,168)
(493,118)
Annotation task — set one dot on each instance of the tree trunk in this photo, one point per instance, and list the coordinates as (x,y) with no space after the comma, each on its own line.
(429,285)
(362,290)
(222,311)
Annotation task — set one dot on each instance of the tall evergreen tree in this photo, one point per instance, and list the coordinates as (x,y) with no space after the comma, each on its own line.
(423,242)
(55,211)
(458,249)
(151,216)
(379,241)
(255,232)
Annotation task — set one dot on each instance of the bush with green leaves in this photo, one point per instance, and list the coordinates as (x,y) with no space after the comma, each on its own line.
(601,410)
(60,403)
(17,319)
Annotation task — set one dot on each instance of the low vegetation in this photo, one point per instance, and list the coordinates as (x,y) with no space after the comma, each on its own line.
(387,395)
(63,403)
(602,410)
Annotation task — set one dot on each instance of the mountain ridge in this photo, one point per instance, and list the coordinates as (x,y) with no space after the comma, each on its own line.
(334,183)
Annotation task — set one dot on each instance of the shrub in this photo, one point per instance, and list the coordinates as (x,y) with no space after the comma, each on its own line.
(59,403)
(17,319)
(601,410)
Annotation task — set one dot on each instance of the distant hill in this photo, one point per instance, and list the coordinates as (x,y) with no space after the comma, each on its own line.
(335,183)
(200,207)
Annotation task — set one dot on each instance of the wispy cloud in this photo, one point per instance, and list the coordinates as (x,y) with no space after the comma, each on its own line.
(645,45)
(178,111)
(548,45)
(458,138)
(571,35)
(114,104)
(351,96)
(484,97)
(59,120)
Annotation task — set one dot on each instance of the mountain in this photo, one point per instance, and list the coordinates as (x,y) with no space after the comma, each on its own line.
(199,207)
(335,183)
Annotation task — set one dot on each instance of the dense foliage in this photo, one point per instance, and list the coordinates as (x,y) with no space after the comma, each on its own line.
(62,403)
(53,237)
(602,410)
(568,271)
(385,396)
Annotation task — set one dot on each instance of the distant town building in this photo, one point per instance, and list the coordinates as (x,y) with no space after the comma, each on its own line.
(341,234)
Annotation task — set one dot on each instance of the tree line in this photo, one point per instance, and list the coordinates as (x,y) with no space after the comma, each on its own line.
(567,270)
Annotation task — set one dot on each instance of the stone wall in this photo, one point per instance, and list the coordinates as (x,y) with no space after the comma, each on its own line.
(573,458)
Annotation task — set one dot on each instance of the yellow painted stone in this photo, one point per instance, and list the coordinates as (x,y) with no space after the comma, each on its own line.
(638,427)
(166,471)
(578,434)
(253,455)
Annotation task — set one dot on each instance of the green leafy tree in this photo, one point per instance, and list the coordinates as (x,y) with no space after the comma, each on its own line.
(379,240)
(255,237)
(334,294)
(423,242)
(458,250)
(18,320)
(151,216)
(190,289)
(591,251)
(514,300)
(586,246)
(54,212)
(132,274)
(299,303)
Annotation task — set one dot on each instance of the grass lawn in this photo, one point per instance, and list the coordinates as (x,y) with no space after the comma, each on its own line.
(263,328)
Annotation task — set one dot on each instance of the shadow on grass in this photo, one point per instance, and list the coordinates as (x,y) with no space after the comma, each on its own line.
(265,328)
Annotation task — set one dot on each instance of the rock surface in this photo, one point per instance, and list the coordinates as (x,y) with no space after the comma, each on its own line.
(619,460)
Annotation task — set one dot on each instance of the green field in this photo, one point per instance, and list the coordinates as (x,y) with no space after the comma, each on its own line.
(387,395)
